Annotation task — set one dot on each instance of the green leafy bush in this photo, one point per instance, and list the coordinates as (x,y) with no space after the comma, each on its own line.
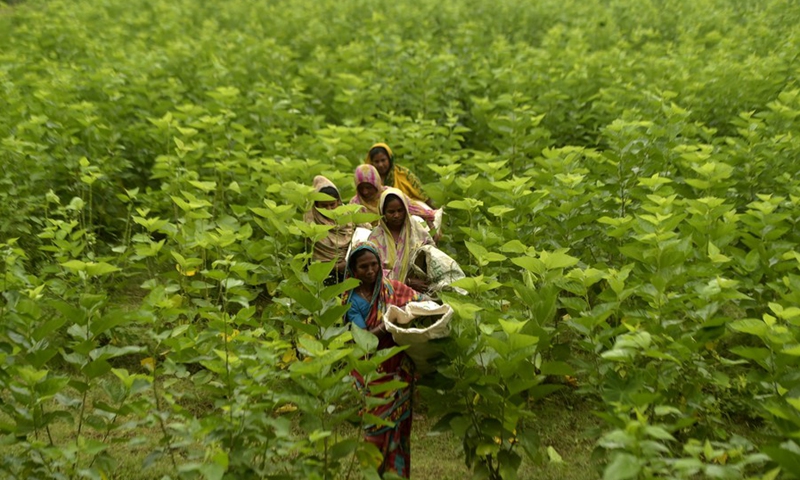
(620,187)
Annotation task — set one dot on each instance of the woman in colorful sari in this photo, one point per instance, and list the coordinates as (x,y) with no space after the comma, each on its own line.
(393,175)
(398,236)
(368,303)
(369,188)
(335,245)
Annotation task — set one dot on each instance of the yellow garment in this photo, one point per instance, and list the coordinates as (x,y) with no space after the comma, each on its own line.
(400,178)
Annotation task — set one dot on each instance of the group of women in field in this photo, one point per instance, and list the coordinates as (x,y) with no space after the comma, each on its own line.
(382,265)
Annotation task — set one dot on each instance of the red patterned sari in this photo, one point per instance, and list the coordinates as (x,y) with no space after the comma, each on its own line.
(393,441)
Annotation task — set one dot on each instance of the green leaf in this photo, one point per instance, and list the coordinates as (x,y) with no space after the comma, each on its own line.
(75,265)
(752,353)
(521,341)
(662,410)
(465,204)
(553,455)
(529,440)
(71,313)
(556,260)
(751,326)
(364,339)
(212,471)
(622,467)
(96,368)
(658,433)
(793,350)
(335,290)
(697,183)
(45,329)
(715,255)
(318,435)
(787,455)
(302,297)
(465,310)
(386,386)
(40,357)
(179,258)
(509,464)
(514,246)
(204,186)
(499,210)
(556,368)
(310,346)
(475,249)
(533,265)
(511,327)
(319,271)
(332,315)
(112,319)
(48,388)
(487,448)
(344,448)
(100,268)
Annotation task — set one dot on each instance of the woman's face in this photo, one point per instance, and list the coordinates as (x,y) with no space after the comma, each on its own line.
(367,268)
(367,191)
(381,163)
(394,212)
(327,205)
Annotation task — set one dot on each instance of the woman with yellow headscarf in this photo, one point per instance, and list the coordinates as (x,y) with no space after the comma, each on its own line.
(393,175)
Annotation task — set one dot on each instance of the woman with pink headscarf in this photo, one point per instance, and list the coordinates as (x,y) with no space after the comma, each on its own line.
(368,193)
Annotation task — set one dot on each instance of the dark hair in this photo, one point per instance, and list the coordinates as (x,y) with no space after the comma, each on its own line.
(351,262)
(390,197)
(377,150)
(329,191)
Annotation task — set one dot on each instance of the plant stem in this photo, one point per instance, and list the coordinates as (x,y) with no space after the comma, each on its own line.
(109,427)
(46,427)
(163,427)
(80,425)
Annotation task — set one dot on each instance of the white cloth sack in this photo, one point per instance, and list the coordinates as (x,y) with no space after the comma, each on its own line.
(399,322)
(360,234)
(440,270)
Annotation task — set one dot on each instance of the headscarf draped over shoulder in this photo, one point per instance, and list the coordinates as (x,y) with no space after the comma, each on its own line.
(400,177)
(338,240)
(386,292)
(397,255)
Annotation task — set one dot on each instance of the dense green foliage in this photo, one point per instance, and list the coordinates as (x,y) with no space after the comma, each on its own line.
(621,186)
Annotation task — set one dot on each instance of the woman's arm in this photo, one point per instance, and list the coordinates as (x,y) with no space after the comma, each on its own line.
(417,284)
(405,294)
(415,208)
(379,330)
